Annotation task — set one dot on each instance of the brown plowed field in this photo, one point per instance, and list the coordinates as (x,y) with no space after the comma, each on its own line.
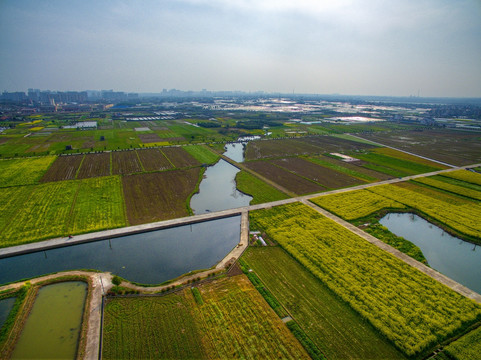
(158,196)
(303,146)
(453,147)
(63,168)
(284,178)
(95,165)
(125,162)
(153,160)
(179,157)
(149,138)
(327,177)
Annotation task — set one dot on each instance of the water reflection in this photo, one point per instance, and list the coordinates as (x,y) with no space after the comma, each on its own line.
(217,191)
(151,257)
(458,259)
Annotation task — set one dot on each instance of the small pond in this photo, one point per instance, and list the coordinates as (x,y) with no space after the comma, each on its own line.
(5,306)
(52,329)
(148,258)
(449,255)
(217,191)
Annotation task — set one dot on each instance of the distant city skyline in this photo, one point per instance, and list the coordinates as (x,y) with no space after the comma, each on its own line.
(429,48)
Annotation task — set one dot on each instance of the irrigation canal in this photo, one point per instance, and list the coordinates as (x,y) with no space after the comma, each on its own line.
(113,233)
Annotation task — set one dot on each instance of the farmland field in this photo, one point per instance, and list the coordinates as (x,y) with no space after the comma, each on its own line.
(352,169)
(258,189)
(439,183)
(11,199)
(296,184)
(453,147)
(202,154)
(231,321)
(125,162)
(151,327)
(147,138)
(159,196)
(240,324)
(98,205)
(59,209)
(468,347)
(95,165)
(456,212)
(334,327)
(356,204)
(43,216)
(303,146)
(23,171)
(464,175)
(324,176)
(399,166)
(63,168)
(153,160)
(179,157)
(411,309)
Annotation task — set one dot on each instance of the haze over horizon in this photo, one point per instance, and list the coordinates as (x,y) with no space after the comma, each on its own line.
(307,46)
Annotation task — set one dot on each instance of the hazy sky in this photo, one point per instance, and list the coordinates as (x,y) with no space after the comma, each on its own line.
(366,47)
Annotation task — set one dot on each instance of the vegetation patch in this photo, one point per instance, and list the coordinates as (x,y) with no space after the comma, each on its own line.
(411,309)
(15,172)
(258,189)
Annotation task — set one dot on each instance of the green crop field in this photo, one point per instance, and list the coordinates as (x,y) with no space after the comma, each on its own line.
(202,154)
(23,171)
(337,330)
(60,209)
(258,189)
(411,309)
(228,319)
(468,347)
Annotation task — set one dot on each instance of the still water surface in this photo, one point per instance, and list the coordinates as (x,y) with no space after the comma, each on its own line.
(217,191)
(149,258)
(53,326)
(5,306)
(455,258)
